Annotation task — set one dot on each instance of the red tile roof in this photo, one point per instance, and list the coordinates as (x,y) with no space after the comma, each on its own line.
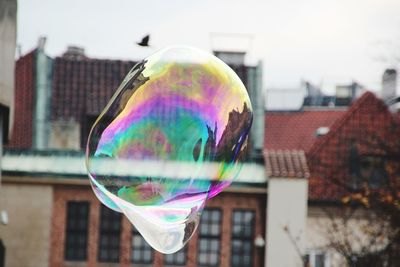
(286,164)
(367,126)
(296,130)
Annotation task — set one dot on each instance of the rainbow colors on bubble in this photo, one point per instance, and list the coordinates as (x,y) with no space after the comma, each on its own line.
(173,135)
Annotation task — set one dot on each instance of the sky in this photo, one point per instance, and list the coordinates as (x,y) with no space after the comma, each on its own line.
(324,42)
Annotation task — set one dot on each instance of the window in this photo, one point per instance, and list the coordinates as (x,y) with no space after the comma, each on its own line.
(317,259)
(177,258)
(209,242)
(77,231)
(370,170)
(141,251)
(110,231)
(242,238)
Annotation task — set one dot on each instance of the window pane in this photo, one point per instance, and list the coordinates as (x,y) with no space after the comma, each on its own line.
(214,245)
(213,259)
(147,255)
(235,260)
(202,259)
(236,229)
(236,217)
(319,260)
(247,232)
(177,258)
(136,255)
(141,251)
(247,246)
(214,229)
(204,229)
(246,261)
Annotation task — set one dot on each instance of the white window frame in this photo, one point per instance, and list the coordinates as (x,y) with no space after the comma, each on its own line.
(314,252)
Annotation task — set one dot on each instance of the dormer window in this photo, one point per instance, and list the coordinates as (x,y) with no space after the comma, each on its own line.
(322,131)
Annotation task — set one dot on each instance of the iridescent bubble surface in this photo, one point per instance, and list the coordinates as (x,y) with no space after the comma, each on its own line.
(173,135)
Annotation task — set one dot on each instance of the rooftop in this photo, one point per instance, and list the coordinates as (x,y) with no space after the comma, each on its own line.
(286,164)
(297,130)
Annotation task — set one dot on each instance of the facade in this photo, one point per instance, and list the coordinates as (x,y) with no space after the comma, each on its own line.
(345,150)
(66,225)
(45,179)
(8,36)
(263,219)
(287,207)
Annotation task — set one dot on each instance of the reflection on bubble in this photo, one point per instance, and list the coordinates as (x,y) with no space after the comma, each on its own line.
(173,135)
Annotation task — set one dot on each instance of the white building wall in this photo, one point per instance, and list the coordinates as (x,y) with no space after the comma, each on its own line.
(27,234)
(316,238)
(286,222)
(8,36)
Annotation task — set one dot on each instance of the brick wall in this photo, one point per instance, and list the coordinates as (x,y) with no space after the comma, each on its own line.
(21,136)
(225,201)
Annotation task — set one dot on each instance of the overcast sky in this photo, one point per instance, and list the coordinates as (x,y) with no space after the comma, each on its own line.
(324,42)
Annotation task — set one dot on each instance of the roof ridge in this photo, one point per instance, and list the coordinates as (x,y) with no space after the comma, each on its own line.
(30,53)
(341,109)
(90,59)
(286,163)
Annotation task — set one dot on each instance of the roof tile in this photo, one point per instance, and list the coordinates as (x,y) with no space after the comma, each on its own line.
(286,163)
(296,130)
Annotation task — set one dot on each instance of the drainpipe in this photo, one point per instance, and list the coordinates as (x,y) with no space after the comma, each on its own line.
(1,141)
(257,99)
(43,74)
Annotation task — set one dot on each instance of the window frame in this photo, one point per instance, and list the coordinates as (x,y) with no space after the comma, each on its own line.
(174,261)
(209,237)
(143,247)
(312,256)
(242,237)
(76,231)
(110,215)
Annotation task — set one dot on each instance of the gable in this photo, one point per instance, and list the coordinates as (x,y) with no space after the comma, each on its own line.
(361,147)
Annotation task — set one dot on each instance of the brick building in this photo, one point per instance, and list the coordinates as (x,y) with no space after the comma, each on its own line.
(57,101)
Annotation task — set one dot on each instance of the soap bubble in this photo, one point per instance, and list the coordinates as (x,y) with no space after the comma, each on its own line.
(173,135)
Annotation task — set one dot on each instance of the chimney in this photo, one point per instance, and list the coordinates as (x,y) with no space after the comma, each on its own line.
(42,42)
(74,52)
(389,84)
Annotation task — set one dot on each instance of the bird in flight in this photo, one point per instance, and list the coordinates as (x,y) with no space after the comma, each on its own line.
(144,41)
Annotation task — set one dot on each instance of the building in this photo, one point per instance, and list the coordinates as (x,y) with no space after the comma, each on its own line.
(66,225)
(57,101)
(287,207)
(262,220)
(344,148)
(8,34)
(345,94)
